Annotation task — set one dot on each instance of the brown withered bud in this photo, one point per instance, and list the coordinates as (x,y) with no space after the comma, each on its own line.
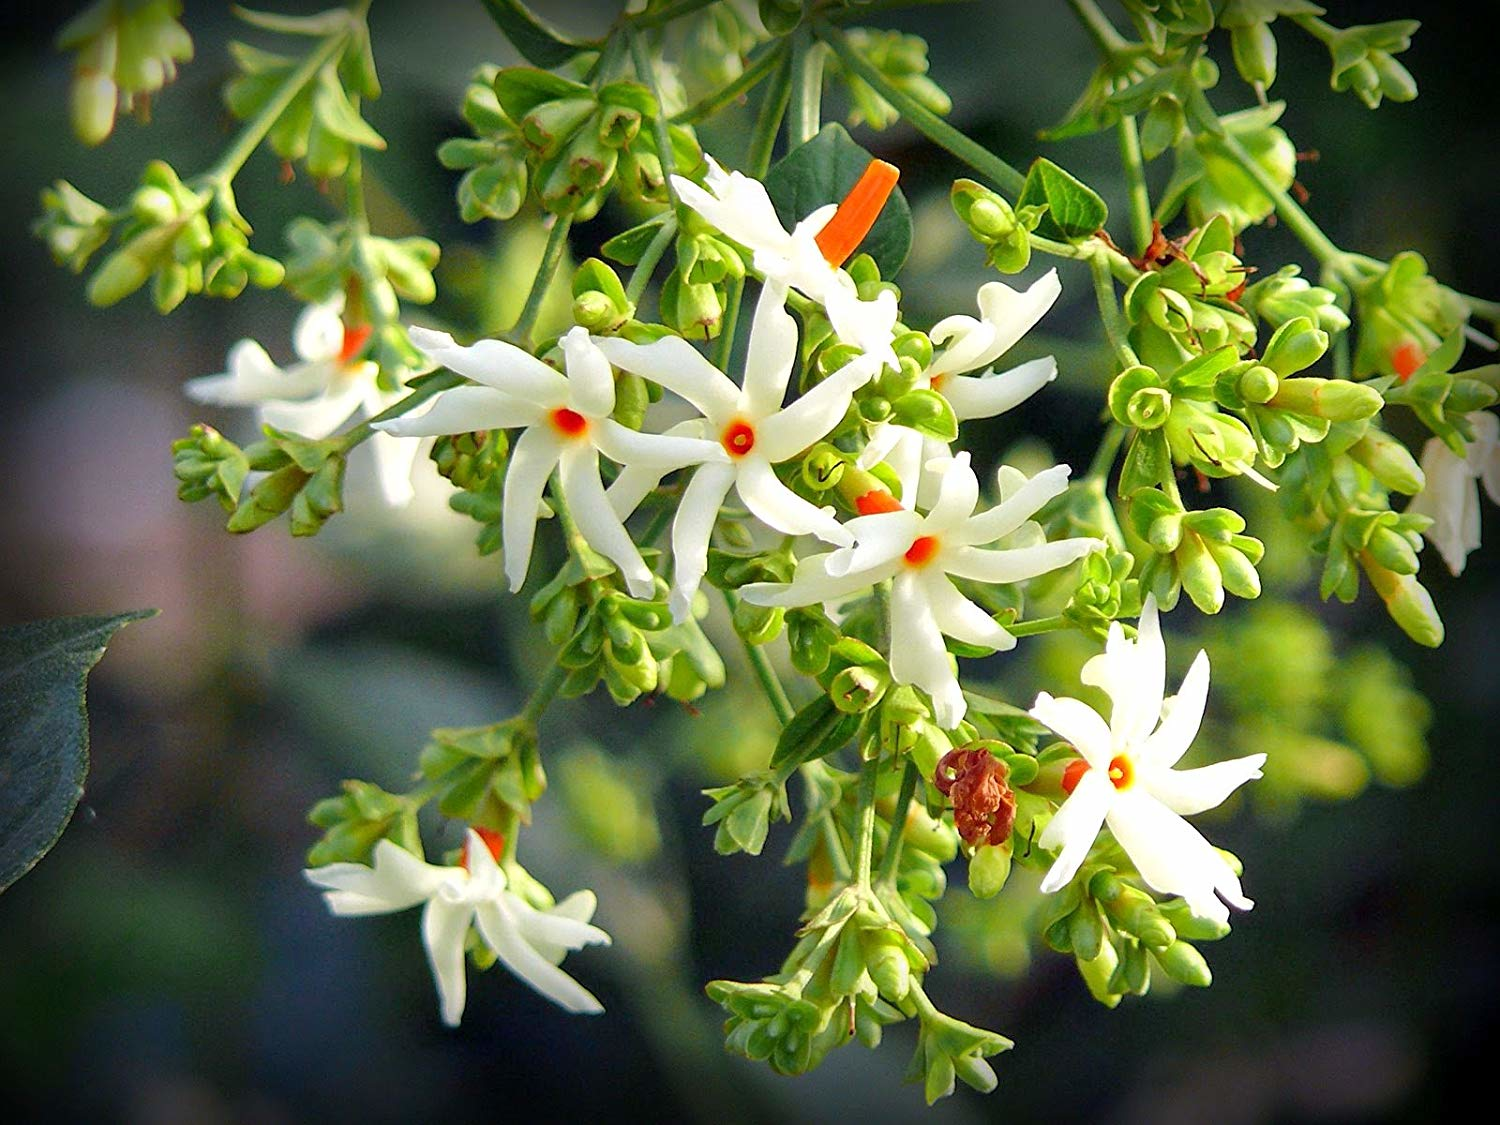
(984,808)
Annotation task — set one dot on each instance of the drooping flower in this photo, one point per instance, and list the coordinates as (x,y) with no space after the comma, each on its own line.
(1451,495)
(317,395)
(965,344)
(529,942)
(750,429)
(809,256)
(922,553)
(567,425)
(1126,778)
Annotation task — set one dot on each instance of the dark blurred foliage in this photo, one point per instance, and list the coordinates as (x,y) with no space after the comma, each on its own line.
(168,964)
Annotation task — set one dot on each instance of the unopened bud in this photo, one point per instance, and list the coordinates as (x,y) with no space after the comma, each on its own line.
(1407,601)
(1182,962)
(1295,346)
(1391,462)
(1334,399)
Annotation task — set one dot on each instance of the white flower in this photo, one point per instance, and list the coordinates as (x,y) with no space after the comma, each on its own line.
(567,425)
(965,344)
(319,394)
(1451,494)
(529,942)
(751,430)
(806,258)
(921,552)
(1129,783)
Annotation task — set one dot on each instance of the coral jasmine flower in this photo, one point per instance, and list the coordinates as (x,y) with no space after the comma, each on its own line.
(1451,494)
(567,425)
(528,942)
(966,344)
(922,553)
(807,258)
(751,428)
(1127,780)
(320,393)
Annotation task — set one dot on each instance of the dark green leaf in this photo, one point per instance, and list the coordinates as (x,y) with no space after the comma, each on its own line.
(818,729)
(821,172)
(1074,210)
(538,43)
(44,734)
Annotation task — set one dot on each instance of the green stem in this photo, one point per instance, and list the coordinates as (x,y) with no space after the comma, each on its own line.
(734,293)
(647,75)
(255,130)
(641,277)
(1104,456)
(893,842)
(669,13)
(1109,311)
(1298,221)
(807,88)
(435,384)
(929,124)
(1135,178)
(1039,625)
(768,121)
(749,78)
(760,664)
(544,693)
(1107,40)
(864,839)
(552,256)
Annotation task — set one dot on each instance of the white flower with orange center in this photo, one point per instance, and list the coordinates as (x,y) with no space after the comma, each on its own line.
(964,343)
(808,257)
(317,395)
(529,942)
(567,424)
(922,554)
(1126,778)
(1451,493)
(752,432)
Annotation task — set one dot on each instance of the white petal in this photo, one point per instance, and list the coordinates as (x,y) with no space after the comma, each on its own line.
(464,409)
(636,482)
(1016,509)
(552,929)
(1079,724)
(790,431)
(958,492)
(656,451)
(1181,718)
(991,394)
(1192,791)
(780,508)
(315,417)
(445,925)
(917,652)
(960,618)
(691,530)
(591,384)
(1133,674)
(879,541)
(498,928)
(1450,498)
(1012,314)
(580,907)
(319,331)
(812,585)
(398,880)
(740,207)
(962,340)
(394,460)
(1075,826)
(869,325)
(532,460)
(1172,856)
(1019,564)
(771,354)
(252,378)
(496,364)
(579,473)
(681,369)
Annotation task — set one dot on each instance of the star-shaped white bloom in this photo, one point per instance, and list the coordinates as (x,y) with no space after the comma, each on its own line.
(1129,783)
(740,207)
(922,553)
(529,942)
(567,425)
(1451,494)
(317,395)
(962,344)
(751,431)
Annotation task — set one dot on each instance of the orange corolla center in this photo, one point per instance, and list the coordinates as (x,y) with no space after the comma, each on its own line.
(569,423)
(876,502)
(355,338)
(922,550)
(1073,775)
(1121,773)
(493,840)
(1406,357)
(858,212)
(738,438)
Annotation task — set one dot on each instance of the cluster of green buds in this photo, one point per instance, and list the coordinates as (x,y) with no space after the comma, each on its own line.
(1001,229)
(1167,96)
(694,295)
(1443,399)
(1205,553)
(321,123)
(1160,22)
(1105,592)
(902,61)
(1189,304)
(1405,315)
(493,161)
(581,141)
(472,462)
(490,773)
(1116,932)
(1208,181)
(1385,544)
(715,42)
(1363,58)
(123,52)
(1286,294)
(359,818)
(1251,39)
(184,238)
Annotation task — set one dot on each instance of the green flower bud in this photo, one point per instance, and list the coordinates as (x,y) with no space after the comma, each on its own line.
(1149,408)
(887,962)
(1254,48)
(122,273)
(1337,400)
(1162,126)
(1200,574)
(1294,347)
(858,688)
(1407,601)
(268,499)
(823,468)
(548,127)
(1182,962)
(1389,461)
(1124,387)
(989,868)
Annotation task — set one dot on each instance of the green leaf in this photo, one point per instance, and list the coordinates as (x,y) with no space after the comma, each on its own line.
(537,42)
(1074,210)
(818,729)
(821,172)
(329,22)
(336,114)
(44,734)
(628,247)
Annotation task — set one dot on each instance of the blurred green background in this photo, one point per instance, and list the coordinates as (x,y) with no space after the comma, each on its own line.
(167,963)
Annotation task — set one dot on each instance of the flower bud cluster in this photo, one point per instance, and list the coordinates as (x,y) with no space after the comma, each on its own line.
(123,52)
